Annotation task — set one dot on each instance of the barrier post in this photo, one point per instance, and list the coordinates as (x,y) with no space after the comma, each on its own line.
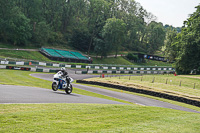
(153,80)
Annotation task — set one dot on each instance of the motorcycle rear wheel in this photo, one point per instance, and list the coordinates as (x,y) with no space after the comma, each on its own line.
(69,89)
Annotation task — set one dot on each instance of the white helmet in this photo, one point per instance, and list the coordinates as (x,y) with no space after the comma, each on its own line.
(63,69)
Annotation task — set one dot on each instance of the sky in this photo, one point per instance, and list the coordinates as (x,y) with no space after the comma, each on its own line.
(171,12)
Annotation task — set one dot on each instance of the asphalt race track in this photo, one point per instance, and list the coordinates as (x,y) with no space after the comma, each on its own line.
(24,94)
(127,97)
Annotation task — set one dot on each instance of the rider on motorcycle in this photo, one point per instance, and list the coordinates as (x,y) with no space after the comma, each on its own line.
(61,80)
(65,74)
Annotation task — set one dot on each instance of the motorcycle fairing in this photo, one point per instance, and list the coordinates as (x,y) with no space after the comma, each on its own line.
(61,82)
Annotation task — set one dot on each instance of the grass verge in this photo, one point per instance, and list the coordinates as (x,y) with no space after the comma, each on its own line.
(122,61)
(112,60)
(95,118)
(28,55)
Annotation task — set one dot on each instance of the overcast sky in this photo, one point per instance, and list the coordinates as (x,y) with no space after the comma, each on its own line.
(172,12)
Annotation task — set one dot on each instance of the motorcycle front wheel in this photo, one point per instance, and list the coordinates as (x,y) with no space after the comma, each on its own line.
(69,89)
(54,86)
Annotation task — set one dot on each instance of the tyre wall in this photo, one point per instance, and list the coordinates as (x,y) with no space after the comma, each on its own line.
(147,92)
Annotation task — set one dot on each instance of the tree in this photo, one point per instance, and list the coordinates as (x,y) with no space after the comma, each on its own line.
(113,33)
(126,23)
(134,20)
(41,33)
(170,50)
(188,45)
(101,48)
(97,14)
(80,40)
(155,37)
(20,31)
(14,25)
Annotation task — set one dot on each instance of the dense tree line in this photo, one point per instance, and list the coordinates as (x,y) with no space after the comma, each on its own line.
(98,26)
(184,47)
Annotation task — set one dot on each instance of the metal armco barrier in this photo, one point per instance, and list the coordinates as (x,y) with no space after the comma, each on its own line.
(128,68)
(85,72)
(28,69)
(18,68)
(123,72)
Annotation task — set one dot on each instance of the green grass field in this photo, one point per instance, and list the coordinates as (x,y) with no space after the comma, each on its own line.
(28,55)
(88,117)
(95,118)
(122,61)
(112,60)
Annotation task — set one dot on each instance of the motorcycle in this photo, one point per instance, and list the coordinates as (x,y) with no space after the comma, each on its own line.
(59,82)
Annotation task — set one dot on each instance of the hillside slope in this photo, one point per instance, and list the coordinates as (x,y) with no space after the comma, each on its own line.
(36,55)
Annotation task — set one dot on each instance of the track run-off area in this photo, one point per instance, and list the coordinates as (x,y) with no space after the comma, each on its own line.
(21,94)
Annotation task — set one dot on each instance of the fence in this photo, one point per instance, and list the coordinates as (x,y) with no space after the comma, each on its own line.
(97,67)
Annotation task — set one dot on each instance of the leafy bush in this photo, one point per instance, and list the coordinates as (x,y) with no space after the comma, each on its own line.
(131,56)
